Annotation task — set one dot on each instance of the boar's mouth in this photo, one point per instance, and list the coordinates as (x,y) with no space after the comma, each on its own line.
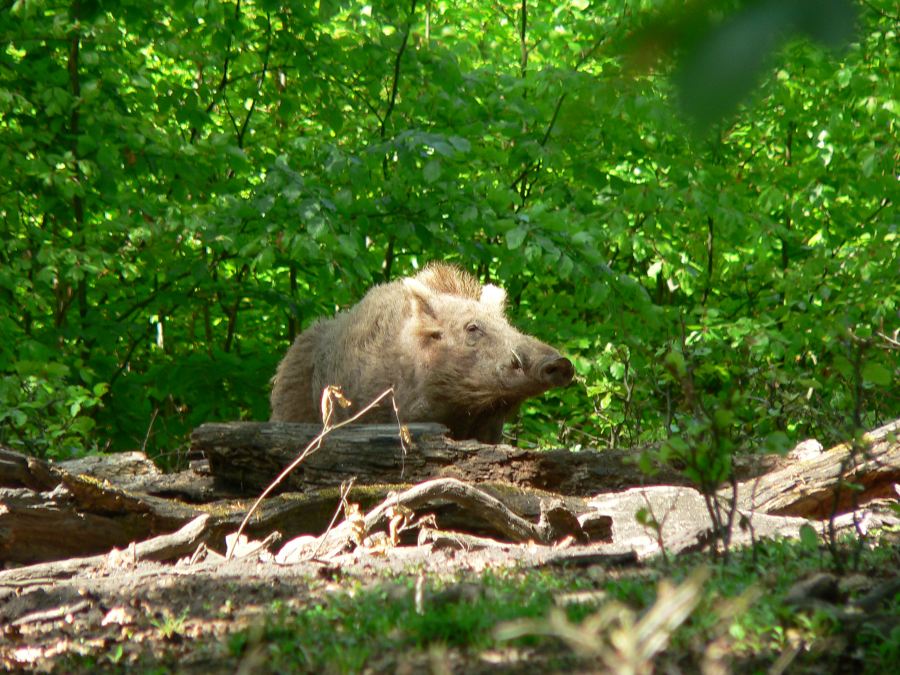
(513,382)
(511,385)
(484,409)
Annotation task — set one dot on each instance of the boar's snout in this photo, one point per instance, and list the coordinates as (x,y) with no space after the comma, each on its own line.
(555,371)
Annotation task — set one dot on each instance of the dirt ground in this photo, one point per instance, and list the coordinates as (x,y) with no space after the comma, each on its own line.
(179,617)
(120,616)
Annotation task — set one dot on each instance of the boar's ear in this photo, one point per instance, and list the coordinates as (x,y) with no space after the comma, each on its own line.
(421,297)
(493,297)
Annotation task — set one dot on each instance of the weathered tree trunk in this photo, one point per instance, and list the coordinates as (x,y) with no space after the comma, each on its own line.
(48,513)
(836,481)
(248,455)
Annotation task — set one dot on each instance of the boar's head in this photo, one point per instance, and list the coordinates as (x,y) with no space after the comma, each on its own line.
(473,369)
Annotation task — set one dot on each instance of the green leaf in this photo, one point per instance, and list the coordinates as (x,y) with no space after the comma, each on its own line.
(675,360)
(18,417)
(516,236)
(843,366)
(432,170)
(643,517)
(808,537)
(877,374)
(460,144)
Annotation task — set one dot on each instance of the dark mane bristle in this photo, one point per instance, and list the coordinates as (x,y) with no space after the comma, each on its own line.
(450,279)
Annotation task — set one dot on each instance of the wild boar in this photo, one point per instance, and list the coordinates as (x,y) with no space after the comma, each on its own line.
(440,338)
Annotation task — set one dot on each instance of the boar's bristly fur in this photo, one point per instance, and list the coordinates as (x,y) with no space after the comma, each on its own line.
(440,338)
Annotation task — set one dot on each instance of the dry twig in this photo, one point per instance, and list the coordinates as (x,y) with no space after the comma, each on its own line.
(330,396)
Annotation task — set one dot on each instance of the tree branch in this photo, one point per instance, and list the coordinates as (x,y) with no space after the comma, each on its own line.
(223,82)
(710,240)
(395,84)
(259,86)
(74,131)
(523,45)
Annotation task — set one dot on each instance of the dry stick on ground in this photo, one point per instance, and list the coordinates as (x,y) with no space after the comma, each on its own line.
(329,395)
(345,490)
(478,502)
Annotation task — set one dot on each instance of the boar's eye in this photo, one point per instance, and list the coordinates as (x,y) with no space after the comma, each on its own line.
(473,328)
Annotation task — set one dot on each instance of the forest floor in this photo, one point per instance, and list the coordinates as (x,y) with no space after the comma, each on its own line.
(430,579)
(413,609)
(184,617)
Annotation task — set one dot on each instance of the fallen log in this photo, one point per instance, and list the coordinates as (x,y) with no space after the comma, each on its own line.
(114,502)
(163,548)
(38,526)
(49,511)
(246,456)
(833,482)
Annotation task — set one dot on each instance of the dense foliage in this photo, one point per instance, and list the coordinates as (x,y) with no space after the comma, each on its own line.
(185,186)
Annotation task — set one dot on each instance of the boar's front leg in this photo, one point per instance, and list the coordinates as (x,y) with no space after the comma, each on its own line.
(486,427)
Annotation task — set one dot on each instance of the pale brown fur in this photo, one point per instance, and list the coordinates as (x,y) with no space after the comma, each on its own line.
(451,280)
(439,338)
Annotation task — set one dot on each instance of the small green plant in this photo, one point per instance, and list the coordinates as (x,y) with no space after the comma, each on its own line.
(713,422)
(115,656)
(168,624)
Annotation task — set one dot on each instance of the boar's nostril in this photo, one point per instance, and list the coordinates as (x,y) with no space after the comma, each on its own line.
(556,371)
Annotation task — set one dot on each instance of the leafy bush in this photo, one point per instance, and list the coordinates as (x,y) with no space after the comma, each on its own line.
(185,188)
(43,415)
